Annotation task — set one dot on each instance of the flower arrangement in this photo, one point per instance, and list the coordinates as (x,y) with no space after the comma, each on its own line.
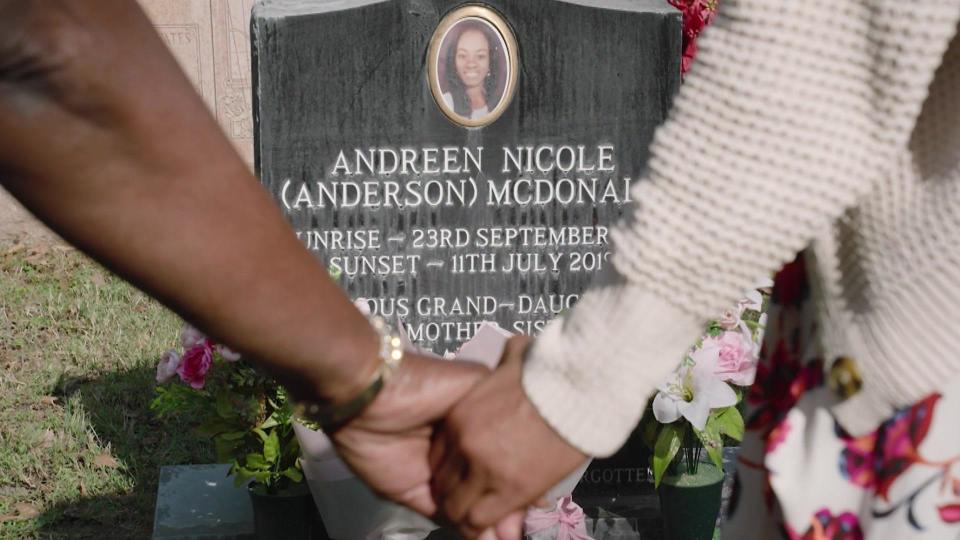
(697,15)
(243,411)
(697,405)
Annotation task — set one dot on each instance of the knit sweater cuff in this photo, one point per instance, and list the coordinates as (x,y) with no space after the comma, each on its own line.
(591,372)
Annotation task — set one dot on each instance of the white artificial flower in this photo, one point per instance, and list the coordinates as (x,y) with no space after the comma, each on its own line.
(753,301)
(694,391)
(761,327)
(363,305)
(765,283)
(227,353)
(190,336)
(167,367)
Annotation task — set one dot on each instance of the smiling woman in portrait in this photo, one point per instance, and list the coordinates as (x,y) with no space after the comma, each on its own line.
(473,66)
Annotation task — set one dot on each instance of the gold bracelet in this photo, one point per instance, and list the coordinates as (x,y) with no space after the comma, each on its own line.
(330,417)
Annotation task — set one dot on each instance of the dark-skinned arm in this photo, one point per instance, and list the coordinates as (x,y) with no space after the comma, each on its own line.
(106,141)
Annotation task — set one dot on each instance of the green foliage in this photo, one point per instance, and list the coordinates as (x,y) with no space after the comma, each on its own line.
(711,440)
(714,329)
(246,415)
(666,448)
(729,422)
(679,444)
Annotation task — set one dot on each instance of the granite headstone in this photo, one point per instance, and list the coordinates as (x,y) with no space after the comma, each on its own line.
(201,502)
(443,210)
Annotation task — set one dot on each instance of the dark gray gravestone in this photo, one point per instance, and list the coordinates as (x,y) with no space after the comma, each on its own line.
(197,502)
(445,226)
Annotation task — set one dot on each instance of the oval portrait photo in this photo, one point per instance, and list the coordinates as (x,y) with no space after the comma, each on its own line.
(472,66)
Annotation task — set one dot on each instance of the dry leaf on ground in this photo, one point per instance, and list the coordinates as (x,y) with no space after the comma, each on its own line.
(48,438)
(105,460)
(98,279)
(23,511)
(38,255)
(16,248)
(26,510)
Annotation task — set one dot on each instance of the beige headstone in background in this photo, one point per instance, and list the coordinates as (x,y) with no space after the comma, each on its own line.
(211,40)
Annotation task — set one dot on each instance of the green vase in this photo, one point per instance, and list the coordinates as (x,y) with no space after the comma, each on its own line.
(290,514)
(690,502)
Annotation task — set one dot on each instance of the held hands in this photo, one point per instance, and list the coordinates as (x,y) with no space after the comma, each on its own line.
(388,445)
(458,444)
(495,455)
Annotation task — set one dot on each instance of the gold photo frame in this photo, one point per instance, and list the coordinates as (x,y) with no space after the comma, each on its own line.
(473,65)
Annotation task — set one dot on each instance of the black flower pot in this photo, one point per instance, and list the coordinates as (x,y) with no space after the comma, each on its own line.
(290,514)
(690,503)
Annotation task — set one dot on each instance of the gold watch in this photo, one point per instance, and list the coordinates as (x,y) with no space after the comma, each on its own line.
(329,417)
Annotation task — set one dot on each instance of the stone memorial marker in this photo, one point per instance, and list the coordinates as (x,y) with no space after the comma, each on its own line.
(201,502)
(462,162)
(210,39)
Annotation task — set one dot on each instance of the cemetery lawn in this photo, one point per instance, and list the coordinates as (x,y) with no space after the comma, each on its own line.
(80,451)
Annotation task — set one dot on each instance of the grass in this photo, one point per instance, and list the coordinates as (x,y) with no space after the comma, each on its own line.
(80,452)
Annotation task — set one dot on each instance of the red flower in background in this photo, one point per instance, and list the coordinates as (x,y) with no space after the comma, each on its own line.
(790,285)
(781,381)
(195,364)
(697,14)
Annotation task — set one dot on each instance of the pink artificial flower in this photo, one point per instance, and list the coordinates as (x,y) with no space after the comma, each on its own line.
(190,336)
(729,320)
(195,364)
(363,305)
(167,367)
(227,353)
(737,356)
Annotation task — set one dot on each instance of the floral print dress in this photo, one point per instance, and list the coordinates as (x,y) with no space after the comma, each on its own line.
(801,477)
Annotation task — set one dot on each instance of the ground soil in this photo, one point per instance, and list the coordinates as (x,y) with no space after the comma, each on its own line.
(18,225)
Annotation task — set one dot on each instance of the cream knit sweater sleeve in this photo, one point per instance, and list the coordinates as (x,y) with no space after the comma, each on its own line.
(791,113)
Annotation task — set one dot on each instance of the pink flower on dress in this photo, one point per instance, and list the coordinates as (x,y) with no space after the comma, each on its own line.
(195,364)
(777,436)
(826,526)
(738,356)
(780,383)
(877,459)
(857,462)
(949,513)
(167,367)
